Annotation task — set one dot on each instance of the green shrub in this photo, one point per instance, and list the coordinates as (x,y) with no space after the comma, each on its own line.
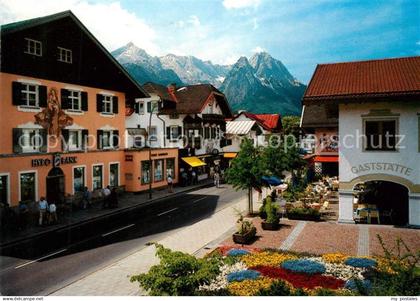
(304,211)
(405,281)
(277,288)
(244,226)
(269,211)
(177,274)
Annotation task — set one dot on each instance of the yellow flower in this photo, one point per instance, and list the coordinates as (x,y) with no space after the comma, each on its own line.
(385,265)
(266,258)
(334,257)
(249,287)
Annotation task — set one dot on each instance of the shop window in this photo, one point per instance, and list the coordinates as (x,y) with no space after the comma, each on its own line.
(29,140)
(170,168)
(33,47)
(158,171)
(79,179)
(380,135)
(97,177)
(27,187)
(145,172)
(4,189)
(114,174)
(65,55)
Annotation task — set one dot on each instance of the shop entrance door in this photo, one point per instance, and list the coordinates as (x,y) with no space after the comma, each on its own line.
(55,185)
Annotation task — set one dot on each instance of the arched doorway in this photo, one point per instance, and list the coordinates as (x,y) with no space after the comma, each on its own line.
(55,185)
(389,198)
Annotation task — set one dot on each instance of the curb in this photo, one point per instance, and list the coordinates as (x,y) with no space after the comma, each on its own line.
(106,215)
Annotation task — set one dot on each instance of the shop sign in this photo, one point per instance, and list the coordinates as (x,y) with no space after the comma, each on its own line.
(56,161)
(129,158)
(382,167)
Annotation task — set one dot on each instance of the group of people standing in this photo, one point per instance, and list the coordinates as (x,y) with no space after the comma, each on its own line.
(47,212)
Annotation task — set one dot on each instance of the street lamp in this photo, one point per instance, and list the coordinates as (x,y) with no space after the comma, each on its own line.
(153,106)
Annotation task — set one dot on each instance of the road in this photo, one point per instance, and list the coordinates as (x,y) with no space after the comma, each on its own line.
(81,251)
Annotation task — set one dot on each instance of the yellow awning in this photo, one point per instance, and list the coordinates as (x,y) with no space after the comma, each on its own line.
(193,161)
(230,155)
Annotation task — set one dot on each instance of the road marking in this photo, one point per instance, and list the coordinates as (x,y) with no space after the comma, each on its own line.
(119,229)
(33,261)
(200,199)
(162,213)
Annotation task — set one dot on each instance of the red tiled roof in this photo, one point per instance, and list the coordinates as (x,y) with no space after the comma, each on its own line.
(267,121)
(399,76)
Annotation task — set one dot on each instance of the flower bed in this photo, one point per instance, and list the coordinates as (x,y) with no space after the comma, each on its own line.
(304,266)
(243,275)
(266,258)
(360,262)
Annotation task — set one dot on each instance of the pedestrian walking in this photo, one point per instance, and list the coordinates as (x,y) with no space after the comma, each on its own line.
(106,192)
(194,177)
(217,179)
(87,198)
(42,207)
(52,213)
(170,184)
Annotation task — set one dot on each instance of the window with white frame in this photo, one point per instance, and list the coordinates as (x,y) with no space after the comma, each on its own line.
(75,140)
(152,133)
(75,100)
(27,182)
(380,134)
(65,55)
(30,95)
(107,104)
(107,141)
(175,132)
(30,141)
(33,47)
(140,107)
(114,174)
(97,177)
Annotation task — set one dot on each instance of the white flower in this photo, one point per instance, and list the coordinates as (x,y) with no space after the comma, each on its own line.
(339,270)
(220,282)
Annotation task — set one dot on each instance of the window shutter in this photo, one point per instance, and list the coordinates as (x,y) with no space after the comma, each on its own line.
(99,101)
(99,134)
(84,101)
(168,132)
(137,107)
(44,147)
(42,94)
(206,132)
(17,94)
(115,104)
(179,131)
(115,139)
(65,140)
(65,99)
(149,107)
(17,148)
(85,134)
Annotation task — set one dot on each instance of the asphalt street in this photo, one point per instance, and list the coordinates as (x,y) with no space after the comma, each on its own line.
(43,266)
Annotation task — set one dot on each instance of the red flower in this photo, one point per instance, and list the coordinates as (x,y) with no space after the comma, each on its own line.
(301,280)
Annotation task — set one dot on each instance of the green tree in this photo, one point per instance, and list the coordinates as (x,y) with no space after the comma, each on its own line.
(246,170)
(291,125)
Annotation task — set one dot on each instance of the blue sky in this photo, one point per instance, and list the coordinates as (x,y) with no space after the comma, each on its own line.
(299,33)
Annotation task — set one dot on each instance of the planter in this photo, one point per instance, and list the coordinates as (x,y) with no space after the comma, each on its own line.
(270,226)
(244,238)
(304,217)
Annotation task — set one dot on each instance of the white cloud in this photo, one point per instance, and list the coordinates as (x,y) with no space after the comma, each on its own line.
(194,20)
(111,24)
(258,49)
(238,4)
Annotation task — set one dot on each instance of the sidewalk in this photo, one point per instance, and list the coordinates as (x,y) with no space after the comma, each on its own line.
(126,201)
(114,279)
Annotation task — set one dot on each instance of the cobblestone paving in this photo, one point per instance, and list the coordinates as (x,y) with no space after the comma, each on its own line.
(290,240)
(363,242)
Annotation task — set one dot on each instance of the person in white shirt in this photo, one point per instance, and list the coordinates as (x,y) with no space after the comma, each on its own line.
(42,206)
(53,213)
(106,193)
(170,184)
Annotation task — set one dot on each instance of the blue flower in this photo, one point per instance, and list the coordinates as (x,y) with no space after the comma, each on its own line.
(304,266)
(237,252)
(243,275)
(360,262)
(354,285)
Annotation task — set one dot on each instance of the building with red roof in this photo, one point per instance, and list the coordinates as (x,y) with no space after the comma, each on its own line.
(375,105)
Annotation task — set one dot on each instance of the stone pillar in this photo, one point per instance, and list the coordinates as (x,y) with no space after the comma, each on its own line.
(414,209)
(345,206)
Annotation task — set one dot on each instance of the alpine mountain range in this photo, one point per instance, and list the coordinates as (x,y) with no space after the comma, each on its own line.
(260,84)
